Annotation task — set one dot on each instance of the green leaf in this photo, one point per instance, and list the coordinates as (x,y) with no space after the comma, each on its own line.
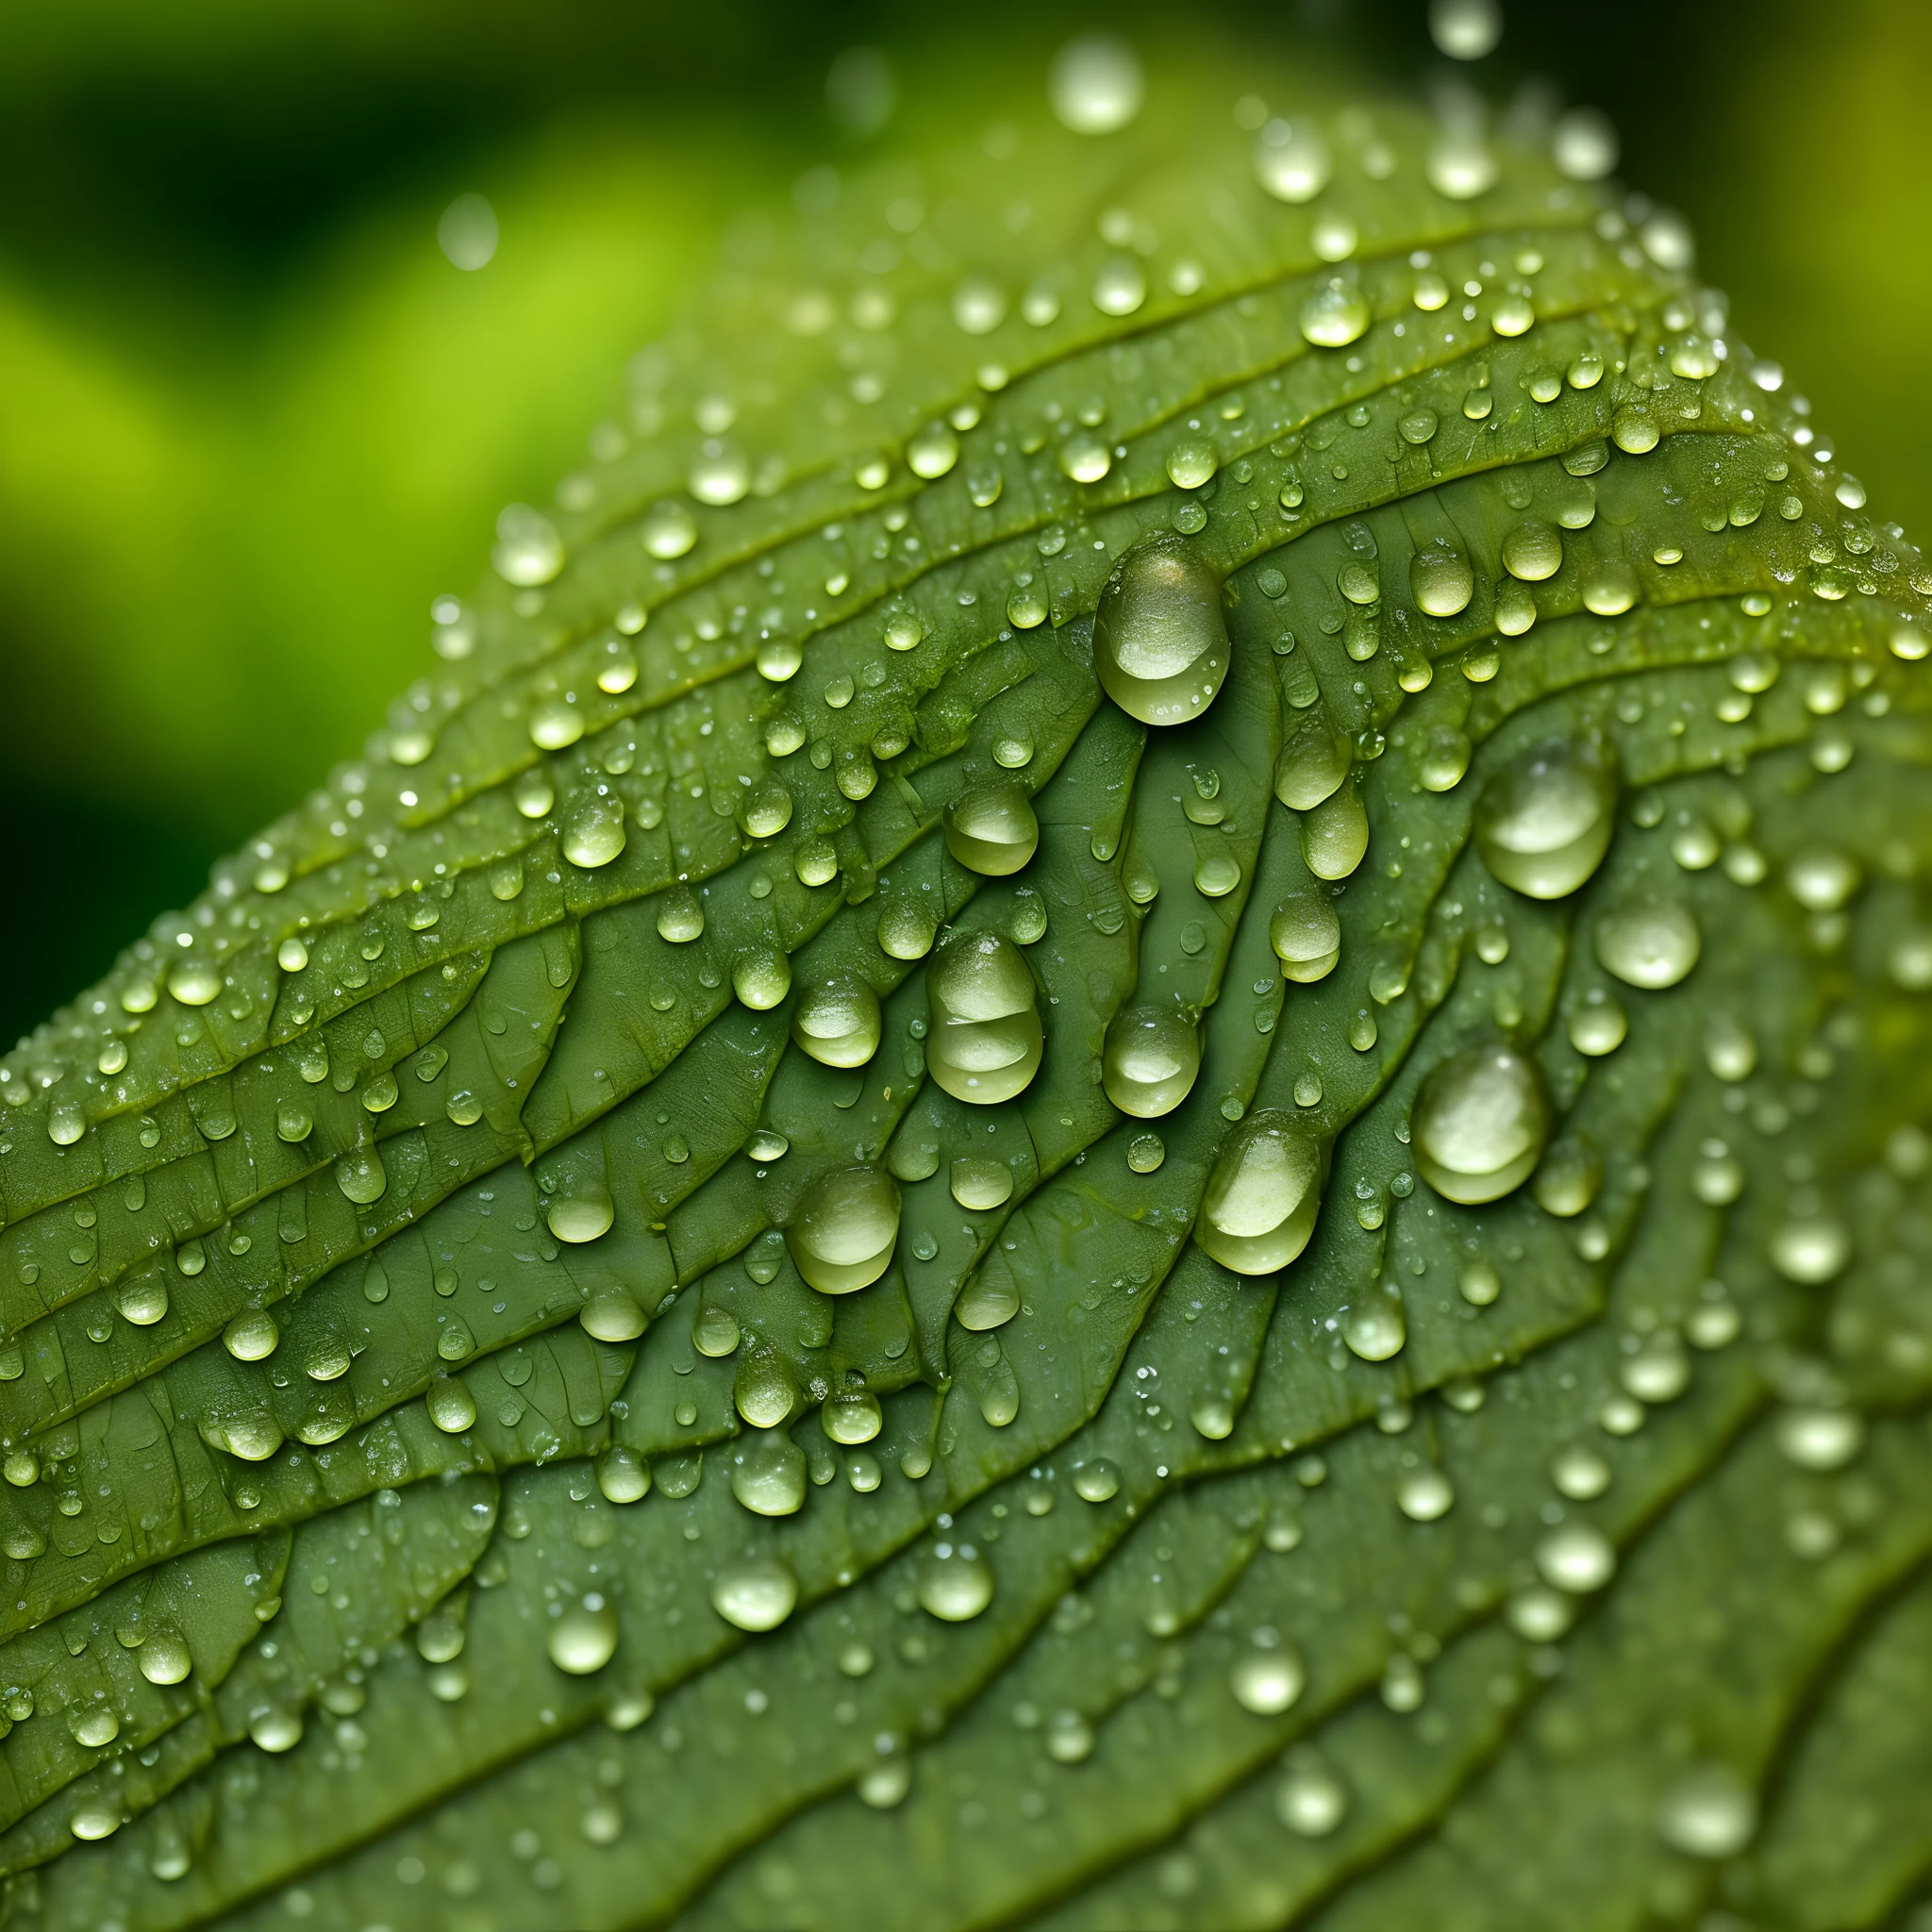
(1110,1118)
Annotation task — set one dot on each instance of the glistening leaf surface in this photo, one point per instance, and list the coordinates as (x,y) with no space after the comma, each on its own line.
(1111,1119)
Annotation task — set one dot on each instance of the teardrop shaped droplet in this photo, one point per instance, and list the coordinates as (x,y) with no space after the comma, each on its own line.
(837,1021)
(1159,642)
(252,1336)
(1264,1195)
(991,830)
(1150,1060)
(1480,1122)
(986,1039)
(1335,314)
(842,1237)
(1313,762)
(1543,824)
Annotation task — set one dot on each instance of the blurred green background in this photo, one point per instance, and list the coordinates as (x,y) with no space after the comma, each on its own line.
(252,420)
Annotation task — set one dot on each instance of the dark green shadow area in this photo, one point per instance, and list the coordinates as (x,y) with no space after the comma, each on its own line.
(81,879)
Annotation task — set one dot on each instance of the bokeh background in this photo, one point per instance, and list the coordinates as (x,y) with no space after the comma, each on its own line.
(253,418)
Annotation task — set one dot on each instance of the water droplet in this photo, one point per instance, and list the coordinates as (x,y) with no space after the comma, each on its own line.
(584,1638)
(1465,29)
(1577,1558)
(1479,1124)
(163,1657)
(1264,1195)
(1335,314)
(837,1021)
(955,1586)
(251,1337)
(1145,1152)
(1313,762)
(1377,1328)
(761,980)
(194,982)
(1160,644)
(1335,835)
(1580,1474)
(767,1475)
(1307,938)
(936,448)
(1443,758)
(1192,463)
(1097,1480)
(1267,1682)
(528,552)
(1533,552)
(451,1407)
(1424,1494)
(1709,1813)
(1292,161)
(990,828)
(622,1474)
(1440,579)
(593,833)
(143,1301)
(1095,84)
(582,1215)
(1821,1438)
(1810,1249)
(986,1039)
(757,1593)
(1460,165)
(1150,1060)
(1311,1801)
(1583,144)
(680,916)
(980,1183)
(843,1236)
(1119,288)
(1544,824)
(1648,942)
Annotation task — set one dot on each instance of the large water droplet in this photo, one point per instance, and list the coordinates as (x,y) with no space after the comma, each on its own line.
(252,1336)
(581,1215)
(1311,1801)
(1267,1682)
(1709,1813)
(164,1657)
(1307,938)
(1441,579)
(1543,824)
(1095,84)
(1150,1060)
(528,551)
(757,1593)
(1533,552)
(1648,942)
(843,1236)
(669,530)
(837,1021)
(1335,314)
(1313,762)
(990,828)
(1264,1195)
(986,1041)
(584,1638)
(1479,1124)
(1291,160)
(1577,1558)
(955,1584)
(767,1475)
(1160,644)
